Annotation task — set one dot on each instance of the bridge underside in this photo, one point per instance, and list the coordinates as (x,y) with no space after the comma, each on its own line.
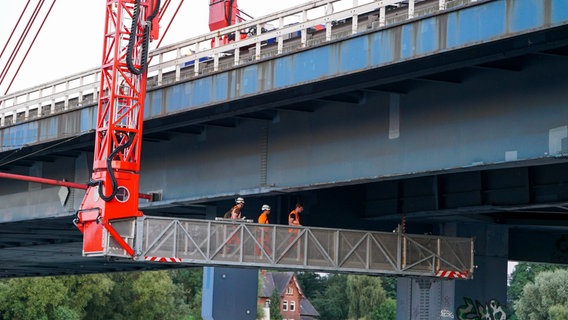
(474,136)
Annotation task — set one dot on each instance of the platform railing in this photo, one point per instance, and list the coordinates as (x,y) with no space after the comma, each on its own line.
(238,243)
(287,31)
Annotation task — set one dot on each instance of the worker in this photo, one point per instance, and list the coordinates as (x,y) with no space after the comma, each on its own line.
(294,220)
(264,234)
(235,212)
(263,218)
(294,216)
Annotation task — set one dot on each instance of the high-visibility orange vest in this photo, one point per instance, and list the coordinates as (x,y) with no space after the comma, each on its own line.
(295,218)
(263,218)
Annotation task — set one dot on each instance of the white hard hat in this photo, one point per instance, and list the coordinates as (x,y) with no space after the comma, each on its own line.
(265,207)
(240,200)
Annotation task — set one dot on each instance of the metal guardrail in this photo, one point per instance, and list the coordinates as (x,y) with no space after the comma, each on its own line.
(290,31)
(237,243)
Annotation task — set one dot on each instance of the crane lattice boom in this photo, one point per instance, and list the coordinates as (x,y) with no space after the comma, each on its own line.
(113,190)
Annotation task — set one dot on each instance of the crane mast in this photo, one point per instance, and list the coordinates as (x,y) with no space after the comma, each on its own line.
(113,189)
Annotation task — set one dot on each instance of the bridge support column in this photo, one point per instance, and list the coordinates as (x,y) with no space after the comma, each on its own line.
(423,298)
(229,293)
(488,289)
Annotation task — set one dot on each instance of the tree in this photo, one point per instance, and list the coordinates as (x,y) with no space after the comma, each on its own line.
(389,284)
(385,311)
(116,296)
(524,273)
(88,293)
(275,306)
(331,303)
(558,312)
(364,294)
(311,283)
(141,295)
(34,298)
(153,296)
(189,284)
(546,298)
(62,297)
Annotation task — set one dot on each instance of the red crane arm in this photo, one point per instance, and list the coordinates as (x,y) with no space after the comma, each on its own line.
(113,191)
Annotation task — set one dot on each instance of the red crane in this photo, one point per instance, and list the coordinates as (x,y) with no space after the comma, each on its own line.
(224,13)
(113,189)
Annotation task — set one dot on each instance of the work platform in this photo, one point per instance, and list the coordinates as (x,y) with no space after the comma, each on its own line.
(242,244)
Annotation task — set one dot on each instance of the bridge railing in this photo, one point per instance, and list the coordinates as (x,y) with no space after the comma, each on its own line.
(237,243)
(280,33)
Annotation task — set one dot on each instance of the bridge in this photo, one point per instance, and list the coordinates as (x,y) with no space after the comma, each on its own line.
(448,117)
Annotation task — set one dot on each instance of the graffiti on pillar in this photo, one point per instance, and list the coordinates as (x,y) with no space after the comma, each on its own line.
(492,310)
(446,314)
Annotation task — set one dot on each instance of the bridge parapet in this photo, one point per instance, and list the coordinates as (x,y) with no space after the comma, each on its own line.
(291,30)
(237,243)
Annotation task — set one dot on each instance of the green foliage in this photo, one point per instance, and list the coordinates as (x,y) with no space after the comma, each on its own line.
(121,295)
(147,295)
(259,307)
(143,295)
(546,298)
(385,311)
(66,313)
(259,311)
(176,294)
(364,293)
(311,283)
(558,312)
(329,295)
(331,303)
(153,297)
(275,306)
(524,273)
(32,298)
(189,283)
(134,295)
(389,284)
(88,293)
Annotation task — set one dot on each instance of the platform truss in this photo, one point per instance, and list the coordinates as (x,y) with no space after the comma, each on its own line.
(242,244)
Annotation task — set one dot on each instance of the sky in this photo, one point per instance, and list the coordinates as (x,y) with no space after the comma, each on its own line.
(72,36)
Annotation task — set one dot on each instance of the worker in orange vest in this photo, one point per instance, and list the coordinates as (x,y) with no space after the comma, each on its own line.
(294,220)
(294,216)
(263,218)
(264,234)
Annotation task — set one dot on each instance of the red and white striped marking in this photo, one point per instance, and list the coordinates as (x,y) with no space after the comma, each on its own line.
(452,274)
(162,259)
